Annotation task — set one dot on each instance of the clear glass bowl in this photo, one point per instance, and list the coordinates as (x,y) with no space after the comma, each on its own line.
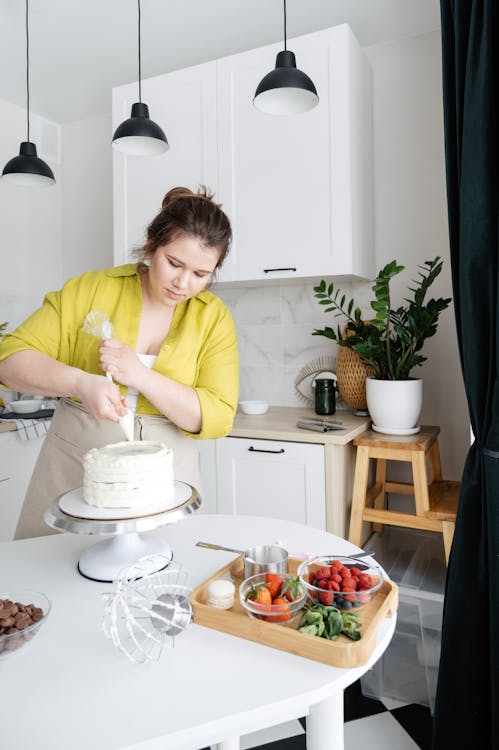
(11,643)
(278,613)
(345,588)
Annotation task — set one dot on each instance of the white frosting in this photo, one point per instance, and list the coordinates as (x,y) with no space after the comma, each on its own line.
(129,475)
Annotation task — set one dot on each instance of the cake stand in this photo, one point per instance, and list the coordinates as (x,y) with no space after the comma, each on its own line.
(128,540)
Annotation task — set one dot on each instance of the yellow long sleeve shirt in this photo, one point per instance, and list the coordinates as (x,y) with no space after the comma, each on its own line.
(200,350)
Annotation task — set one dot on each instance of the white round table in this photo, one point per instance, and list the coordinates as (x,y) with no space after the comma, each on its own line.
(70,687)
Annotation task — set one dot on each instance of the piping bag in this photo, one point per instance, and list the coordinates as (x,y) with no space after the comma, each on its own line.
(98,324)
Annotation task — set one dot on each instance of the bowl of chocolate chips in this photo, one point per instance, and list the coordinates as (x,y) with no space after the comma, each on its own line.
(22,613)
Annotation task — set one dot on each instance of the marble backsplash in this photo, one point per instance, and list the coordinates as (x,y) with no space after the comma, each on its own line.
(274,327)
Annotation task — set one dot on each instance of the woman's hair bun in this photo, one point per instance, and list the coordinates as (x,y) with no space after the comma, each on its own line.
(182,192)
(184,212)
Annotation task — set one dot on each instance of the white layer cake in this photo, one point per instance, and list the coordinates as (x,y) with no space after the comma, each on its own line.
(131,474)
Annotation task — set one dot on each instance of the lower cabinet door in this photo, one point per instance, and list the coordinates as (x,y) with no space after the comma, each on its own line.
(271,478)
(17,461)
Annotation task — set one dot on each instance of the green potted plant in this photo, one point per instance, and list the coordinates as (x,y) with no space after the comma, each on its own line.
(390,343)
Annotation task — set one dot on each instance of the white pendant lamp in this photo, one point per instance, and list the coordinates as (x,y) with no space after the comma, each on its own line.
(140,136)
(285,90)
(27,169)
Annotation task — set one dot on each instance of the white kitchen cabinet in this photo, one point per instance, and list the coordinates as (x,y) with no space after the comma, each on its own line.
(298,189)
(17,461)
(183,104)
(272,478)
(208,472)
(291,473)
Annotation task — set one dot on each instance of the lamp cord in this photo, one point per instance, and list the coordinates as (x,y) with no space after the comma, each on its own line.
(140,77)
(27,70)
(285,47)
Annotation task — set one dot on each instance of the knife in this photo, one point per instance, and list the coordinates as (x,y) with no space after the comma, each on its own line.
(318,427)
(321,420)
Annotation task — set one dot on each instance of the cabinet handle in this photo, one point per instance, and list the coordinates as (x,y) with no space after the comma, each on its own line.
(5,479)
(269,270)
(261,450)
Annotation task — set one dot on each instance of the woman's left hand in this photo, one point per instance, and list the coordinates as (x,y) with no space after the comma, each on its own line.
(121,362)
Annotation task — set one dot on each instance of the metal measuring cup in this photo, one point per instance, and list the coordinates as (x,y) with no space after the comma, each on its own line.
(263,558)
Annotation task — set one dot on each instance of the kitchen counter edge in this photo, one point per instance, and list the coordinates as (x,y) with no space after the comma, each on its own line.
(279,423)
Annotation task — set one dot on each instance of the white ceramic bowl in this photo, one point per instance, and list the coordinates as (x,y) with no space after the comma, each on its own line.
(254,407)
(27,406)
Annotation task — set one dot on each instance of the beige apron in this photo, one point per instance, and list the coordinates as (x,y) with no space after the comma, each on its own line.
(72,433)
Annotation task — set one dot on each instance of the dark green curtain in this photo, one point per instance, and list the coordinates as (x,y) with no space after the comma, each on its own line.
(467,705)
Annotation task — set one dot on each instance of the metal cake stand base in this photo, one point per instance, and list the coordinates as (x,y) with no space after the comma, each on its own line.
(128,538)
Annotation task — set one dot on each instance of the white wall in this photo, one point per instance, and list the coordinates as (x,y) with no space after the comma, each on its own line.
(30,230)
(49,234)
(87,199)
(411,213)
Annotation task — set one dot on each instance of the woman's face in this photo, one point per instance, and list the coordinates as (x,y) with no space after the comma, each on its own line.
(180,270)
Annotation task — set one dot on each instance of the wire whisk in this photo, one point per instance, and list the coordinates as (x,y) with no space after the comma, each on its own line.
(145,611)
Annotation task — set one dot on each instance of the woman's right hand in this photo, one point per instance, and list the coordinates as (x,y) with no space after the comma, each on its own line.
(100,396)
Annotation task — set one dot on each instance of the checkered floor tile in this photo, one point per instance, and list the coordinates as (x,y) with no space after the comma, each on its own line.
(369,723)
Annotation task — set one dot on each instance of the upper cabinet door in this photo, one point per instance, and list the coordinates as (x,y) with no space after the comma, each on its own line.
(298,189)
(183,104)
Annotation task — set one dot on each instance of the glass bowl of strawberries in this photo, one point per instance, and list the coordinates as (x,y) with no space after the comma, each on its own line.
(273,598)
(342,582)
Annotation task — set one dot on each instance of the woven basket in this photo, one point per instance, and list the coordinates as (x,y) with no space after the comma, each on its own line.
(352,374)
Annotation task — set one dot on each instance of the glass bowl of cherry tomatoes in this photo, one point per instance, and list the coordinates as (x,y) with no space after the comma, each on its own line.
(273,598)
(342,582)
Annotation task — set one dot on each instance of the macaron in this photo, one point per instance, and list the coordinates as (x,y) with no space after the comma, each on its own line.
(220,594)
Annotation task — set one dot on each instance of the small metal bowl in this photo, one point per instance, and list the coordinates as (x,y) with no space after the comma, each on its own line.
(265,558)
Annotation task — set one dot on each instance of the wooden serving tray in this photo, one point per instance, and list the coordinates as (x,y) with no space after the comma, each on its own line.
(340,653)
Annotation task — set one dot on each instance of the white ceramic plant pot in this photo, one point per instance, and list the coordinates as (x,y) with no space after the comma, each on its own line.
(395,405)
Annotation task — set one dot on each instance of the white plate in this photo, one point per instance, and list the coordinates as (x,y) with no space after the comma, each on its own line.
(74,505)
(389,431)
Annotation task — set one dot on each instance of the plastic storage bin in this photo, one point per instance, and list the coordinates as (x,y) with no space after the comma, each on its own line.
(408,669)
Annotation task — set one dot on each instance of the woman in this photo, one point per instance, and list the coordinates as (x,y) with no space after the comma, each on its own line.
(173,354)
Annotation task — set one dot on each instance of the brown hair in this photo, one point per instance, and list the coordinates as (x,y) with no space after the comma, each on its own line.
(186,213)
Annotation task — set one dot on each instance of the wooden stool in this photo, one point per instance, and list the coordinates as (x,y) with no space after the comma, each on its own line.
(435,500)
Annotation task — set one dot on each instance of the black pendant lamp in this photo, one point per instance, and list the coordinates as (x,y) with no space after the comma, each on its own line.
(140,136)
(27,169)
(285,90)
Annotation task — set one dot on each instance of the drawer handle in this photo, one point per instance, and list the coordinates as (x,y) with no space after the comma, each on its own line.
(261,450)
(5,479)
(269,270)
